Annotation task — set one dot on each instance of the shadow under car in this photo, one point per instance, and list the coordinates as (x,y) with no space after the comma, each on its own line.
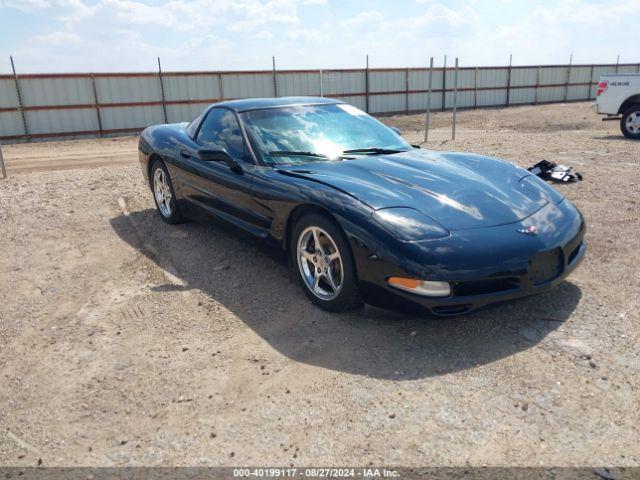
(253,281)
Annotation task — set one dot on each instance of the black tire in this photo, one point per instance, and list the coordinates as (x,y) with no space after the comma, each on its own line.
(633,111)
(348,297)
(173,216)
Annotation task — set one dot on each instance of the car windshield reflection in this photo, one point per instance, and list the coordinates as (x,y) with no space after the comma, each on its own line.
(322,132)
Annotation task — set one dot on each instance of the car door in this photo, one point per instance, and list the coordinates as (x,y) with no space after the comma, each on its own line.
(214,185)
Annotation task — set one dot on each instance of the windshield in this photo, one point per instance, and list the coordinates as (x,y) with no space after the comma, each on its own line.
(314,133)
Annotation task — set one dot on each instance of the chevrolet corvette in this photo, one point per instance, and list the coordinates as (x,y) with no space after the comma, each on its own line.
(362,215)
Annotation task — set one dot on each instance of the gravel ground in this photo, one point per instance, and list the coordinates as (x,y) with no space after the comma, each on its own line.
(125,341)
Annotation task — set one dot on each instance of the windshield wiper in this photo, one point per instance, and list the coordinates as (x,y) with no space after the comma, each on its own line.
(294,153)
(373,151)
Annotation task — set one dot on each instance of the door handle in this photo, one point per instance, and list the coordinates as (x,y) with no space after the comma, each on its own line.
(185,154)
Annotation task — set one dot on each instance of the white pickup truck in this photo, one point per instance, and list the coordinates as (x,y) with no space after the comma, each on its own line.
(618,97)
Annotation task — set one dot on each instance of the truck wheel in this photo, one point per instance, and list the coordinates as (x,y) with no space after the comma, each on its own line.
(630,122)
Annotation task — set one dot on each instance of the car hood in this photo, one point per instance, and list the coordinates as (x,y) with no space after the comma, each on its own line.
(458,190)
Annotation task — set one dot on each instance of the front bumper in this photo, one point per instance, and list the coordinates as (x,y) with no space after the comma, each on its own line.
(483,266)
(509,288)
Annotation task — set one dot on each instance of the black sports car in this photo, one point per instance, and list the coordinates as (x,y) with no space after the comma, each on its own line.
(363,215)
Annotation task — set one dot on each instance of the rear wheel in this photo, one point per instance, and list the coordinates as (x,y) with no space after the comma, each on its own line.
(630,122)
(323,260)
(163,193)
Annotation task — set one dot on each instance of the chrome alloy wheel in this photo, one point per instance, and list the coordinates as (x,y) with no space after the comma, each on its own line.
(633,122)
(162,192)
(320,263)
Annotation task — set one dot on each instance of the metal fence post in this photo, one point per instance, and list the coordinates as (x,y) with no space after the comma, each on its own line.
(590,83)
(20,103)
(366,85)
(426,117)
(321,84)
(275,77)
(535,92)
(475,89)
(566,84)
(3,170)
(164,103)
(455,101)
(444,83)
(406,87)
(617,63)
(95,102)
(221,85)
(509,80)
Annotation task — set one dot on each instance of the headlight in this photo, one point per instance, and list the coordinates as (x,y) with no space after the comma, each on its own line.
(409,225)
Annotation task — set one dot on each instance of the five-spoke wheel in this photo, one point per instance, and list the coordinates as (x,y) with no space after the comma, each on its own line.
(323,259)
(163,193)
(320,263)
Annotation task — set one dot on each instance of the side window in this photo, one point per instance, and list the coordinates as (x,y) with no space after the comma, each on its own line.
(193,126)
(221,129)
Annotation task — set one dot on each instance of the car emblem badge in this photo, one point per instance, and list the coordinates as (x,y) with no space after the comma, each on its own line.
(531,230)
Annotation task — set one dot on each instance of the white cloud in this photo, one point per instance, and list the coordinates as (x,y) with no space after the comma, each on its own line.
(260,35)
(241,15)
(120,34)
(369,17)
(137,12)
(77,53)
(61,7)
(585,13)
(199,34)
(437,17)
(437,25)
(25,5)
(311,35)
(587,29)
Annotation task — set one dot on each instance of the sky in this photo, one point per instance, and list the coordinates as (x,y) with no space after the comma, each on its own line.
(128,35)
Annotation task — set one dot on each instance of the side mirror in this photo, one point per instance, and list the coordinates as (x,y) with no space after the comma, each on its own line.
(219,155)
(396,130)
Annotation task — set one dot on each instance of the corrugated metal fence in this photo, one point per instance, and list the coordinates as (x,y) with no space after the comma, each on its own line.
(37,106)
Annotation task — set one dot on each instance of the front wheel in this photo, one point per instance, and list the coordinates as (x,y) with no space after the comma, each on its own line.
(321,255)
(630,123)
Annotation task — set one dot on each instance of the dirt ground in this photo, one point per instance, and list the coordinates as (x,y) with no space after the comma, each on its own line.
(125,341)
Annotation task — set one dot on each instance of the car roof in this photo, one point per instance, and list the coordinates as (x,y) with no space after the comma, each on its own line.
(244,104)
